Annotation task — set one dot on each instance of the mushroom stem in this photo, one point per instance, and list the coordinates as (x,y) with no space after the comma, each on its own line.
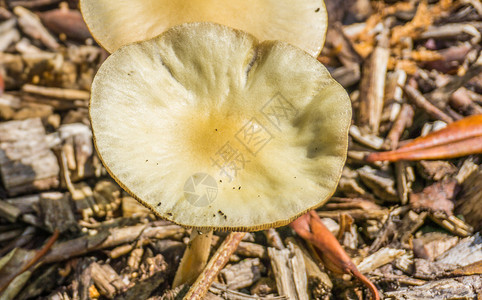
(199,289)
(194,258)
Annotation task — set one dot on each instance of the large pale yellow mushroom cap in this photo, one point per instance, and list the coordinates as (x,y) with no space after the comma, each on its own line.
(115,23)
(211,129)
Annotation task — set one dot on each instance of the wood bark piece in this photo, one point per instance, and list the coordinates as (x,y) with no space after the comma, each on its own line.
(243,274)
(135,258)
(461,101)
(451,31)
(337,38)
(289,271)
(359,215)
(57,104)
(419,100)
(9,211)
(106,280)
(393,90)
(410,223)
(451,223)
(11,263)
(372,88)
(32,26)
(466,252)
(466,170)
(264,286)
(33,3)
(8,36)
(25,269)
(110,238)
(172,250)
(433,244)
(79,149)
(16,286)
(248,249)
(388,230)
(319,283)
(219,292)
(81,196)
(9,104)
(274,239)
(44,282)
(67,22)
(8,235)
(452,288)
(436,170)
(370,140)
(427,270)
(121,251)
(107,194)
(154,274)
(64,94)
(381,183)
(347,75)
(404,120)
(26,204)
(469,203)
(22,267)
(57,212)
(26,162)
(381,257)
(405,176)
(436,197)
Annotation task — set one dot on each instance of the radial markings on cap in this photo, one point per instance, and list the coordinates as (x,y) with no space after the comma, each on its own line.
(203,98)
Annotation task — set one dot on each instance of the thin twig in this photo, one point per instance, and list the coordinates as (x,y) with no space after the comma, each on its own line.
(419,100)
(217,262)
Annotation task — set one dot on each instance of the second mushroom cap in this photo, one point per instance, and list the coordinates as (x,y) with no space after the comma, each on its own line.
(114,23)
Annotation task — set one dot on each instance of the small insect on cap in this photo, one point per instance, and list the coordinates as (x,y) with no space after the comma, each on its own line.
(114,23)
(211,129)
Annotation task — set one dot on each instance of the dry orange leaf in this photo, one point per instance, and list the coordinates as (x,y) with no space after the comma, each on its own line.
(460,138)
(310,228)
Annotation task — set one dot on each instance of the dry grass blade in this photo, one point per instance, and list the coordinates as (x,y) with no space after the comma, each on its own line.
(460,138)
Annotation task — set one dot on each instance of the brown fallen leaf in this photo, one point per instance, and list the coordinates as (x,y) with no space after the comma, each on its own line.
(460,138)
(310,228)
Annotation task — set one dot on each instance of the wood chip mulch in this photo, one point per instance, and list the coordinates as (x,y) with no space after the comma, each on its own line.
(412,227)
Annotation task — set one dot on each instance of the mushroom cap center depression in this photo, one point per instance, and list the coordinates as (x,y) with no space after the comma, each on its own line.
(207,132)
